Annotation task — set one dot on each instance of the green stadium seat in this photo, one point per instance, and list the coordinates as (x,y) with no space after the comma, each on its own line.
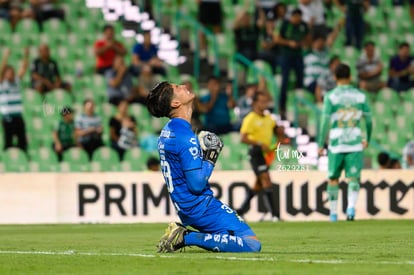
(75,160)
(390,97)
(32,102)
(27,27)
(105,159)
(5,28)
(382,110)
(44,159)
(375,18)
(135,159)
(59,98)
(39,129)
(15,160)
(54,25)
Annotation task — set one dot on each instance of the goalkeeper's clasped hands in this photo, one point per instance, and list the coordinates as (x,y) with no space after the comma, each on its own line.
(211,145)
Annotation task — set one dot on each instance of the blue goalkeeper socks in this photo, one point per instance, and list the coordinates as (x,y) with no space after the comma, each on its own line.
(222,242)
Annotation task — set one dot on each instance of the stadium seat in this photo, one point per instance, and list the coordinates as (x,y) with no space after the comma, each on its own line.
(32,102)
(15,160)
(75,160)
(39,129)
(135,159)
(59,98)
(105,159)
(383,111)
(44,159)
(54,25)
(390,97)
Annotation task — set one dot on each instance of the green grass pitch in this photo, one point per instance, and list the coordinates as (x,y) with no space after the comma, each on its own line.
(360,247)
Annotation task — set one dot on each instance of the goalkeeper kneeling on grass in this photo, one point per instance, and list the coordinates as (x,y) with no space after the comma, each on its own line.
(187,161)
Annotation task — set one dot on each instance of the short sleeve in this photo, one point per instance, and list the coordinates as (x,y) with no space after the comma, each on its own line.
(246,125)
(78,122)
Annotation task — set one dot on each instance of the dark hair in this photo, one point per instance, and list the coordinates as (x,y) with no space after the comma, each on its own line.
(383,159)
(256,95)
(107,27)
(342,71)
(87,100)
(66,110)
(152,161)
(318,36)
(297,11)
(333,59)
(212,77)
(159,99)
(146,32)
(369,43)
(404,44)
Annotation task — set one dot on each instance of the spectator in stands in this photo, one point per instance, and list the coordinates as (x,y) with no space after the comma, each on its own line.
(210,15)
(123,130)
(13,11)
(11,106)
(106,49)
(326,81)
(246,34)
(88,128)
(153,164)
(408,155)
(401,68)
(46,9)
(354,20)
(64,133)
(269,51)
(383,160)
(217,105)
(293,38)
(120,84)
(45,72)
(145,57)
(316,63)
(369,68)
(313,14)
(395,163)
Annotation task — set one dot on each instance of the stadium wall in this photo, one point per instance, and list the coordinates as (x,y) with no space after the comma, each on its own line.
(142,197)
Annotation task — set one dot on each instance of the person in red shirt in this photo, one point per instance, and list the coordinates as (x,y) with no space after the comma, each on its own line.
(106,49)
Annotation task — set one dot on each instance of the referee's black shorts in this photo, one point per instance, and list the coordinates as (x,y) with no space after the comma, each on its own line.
(257,160)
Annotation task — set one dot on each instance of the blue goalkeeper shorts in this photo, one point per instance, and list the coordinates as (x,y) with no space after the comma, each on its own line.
(219,218)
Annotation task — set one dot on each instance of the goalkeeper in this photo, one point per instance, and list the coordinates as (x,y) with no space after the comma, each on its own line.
(187,162)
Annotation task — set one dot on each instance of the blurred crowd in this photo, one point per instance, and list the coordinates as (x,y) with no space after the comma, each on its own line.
(290,39)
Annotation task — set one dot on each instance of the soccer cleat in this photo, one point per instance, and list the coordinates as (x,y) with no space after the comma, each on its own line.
(333,217)
(350,214)
(173,239)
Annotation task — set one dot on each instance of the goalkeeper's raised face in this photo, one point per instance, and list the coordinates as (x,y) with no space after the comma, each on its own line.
(170,100)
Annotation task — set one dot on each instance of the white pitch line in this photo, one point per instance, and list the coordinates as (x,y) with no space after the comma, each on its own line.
(188,256)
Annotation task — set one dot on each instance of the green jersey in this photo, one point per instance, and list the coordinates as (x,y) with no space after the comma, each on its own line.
(343,109)
(65,132)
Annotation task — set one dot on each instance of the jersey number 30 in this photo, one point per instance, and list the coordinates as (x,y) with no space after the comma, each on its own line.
(166,171)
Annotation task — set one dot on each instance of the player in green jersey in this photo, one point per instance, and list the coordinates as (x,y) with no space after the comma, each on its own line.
(343,109)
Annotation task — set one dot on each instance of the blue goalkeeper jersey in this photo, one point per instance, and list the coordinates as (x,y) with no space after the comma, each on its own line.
(180,152)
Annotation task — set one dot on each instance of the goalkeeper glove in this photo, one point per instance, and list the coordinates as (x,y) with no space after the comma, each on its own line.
(211,145)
